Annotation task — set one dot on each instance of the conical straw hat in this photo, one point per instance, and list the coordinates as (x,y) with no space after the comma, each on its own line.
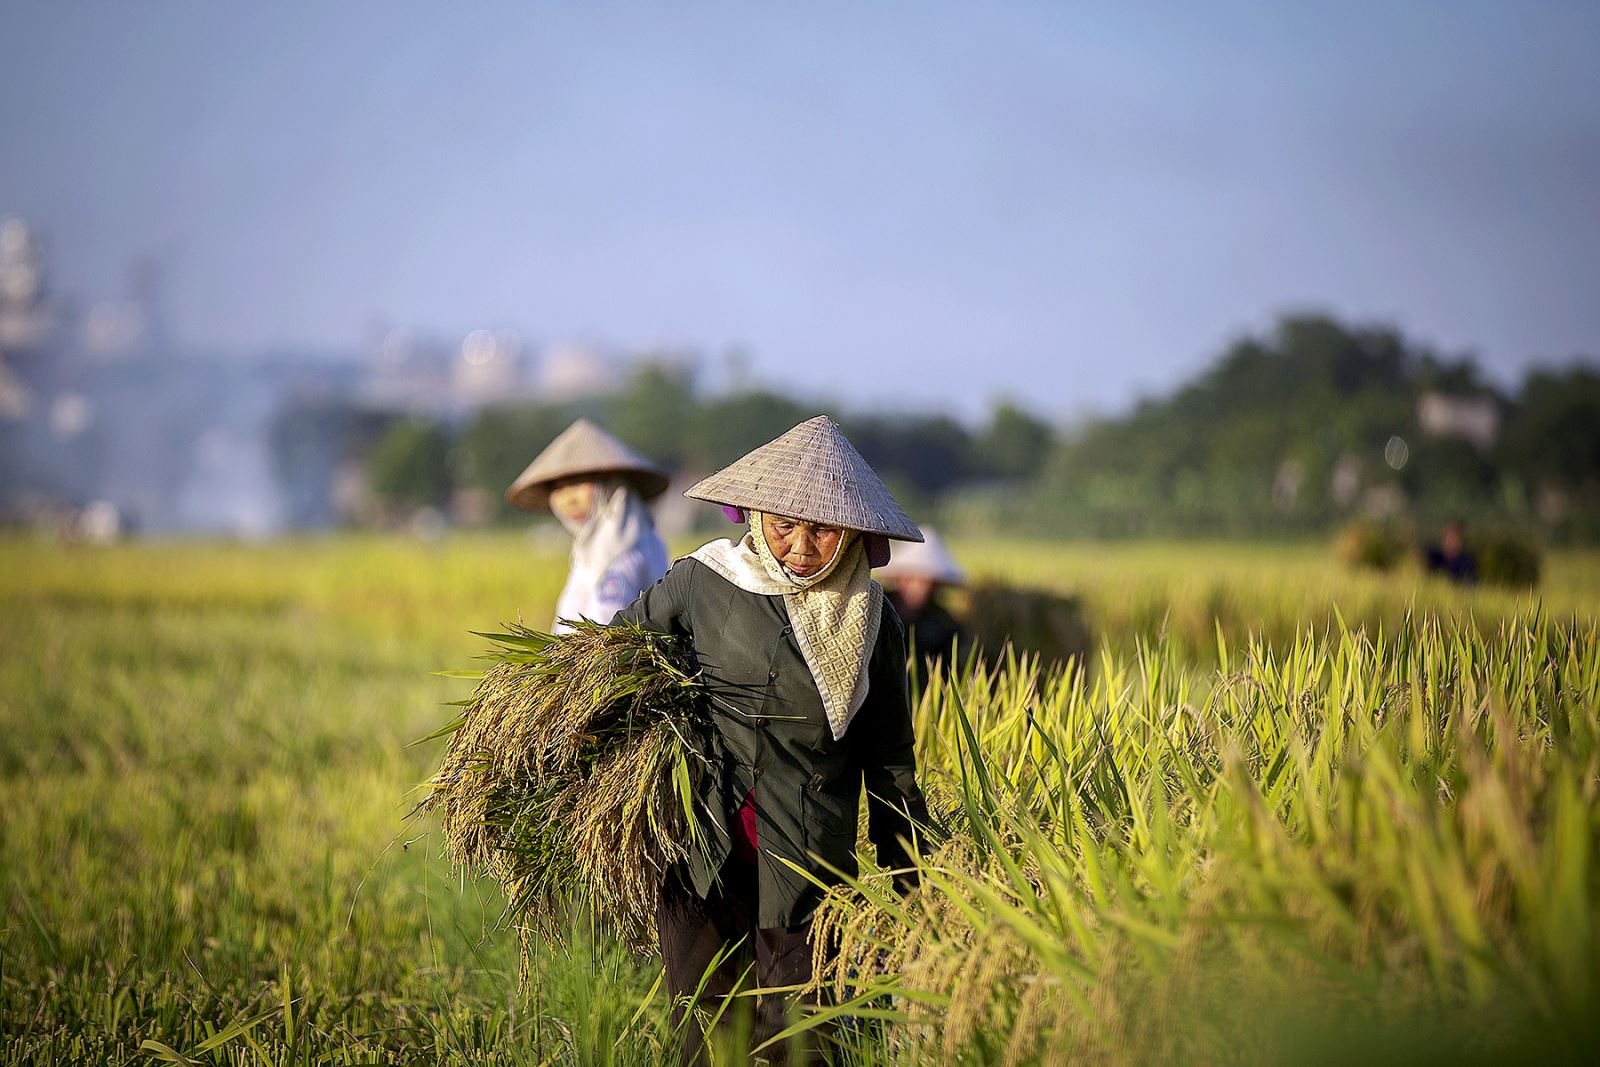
(812,473)
(931,560)
(583,448)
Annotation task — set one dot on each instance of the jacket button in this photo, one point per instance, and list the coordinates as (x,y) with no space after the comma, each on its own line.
(757,772)
(772,676)
(816,781)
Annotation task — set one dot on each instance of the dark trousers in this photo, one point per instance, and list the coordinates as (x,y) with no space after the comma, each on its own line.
(694,930)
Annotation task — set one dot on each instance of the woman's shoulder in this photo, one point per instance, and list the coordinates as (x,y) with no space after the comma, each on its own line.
(693,577)
(696,574)
(685,568)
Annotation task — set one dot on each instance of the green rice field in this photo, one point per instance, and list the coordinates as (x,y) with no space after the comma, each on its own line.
(1286,813)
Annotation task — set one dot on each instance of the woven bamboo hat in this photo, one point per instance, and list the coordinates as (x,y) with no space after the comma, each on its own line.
(931,560)
(583,448)
(814,473)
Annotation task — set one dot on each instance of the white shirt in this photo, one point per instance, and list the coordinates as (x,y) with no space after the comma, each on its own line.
(615,555)
(599,598)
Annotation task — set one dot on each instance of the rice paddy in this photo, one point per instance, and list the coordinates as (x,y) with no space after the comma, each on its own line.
(1286,813)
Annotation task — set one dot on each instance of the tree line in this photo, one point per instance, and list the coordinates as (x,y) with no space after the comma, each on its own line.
(1290,431)
(1315,422)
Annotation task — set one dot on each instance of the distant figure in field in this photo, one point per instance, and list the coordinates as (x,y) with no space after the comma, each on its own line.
(1451,558)
(597,486)
(914,579)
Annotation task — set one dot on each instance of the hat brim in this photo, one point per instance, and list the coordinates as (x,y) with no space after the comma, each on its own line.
(814,473)
(535,496)
(805,514)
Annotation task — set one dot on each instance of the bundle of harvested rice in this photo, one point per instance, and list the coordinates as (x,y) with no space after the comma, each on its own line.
(572,775)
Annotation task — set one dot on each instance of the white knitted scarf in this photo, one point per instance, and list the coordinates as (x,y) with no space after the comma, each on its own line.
(835,612)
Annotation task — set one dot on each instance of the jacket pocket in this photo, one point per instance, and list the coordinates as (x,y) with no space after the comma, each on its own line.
(830,823)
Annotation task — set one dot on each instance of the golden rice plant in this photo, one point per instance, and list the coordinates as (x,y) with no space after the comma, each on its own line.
(571,775)
(1382,841)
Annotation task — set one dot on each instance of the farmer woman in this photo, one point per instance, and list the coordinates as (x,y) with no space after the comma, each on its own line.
(807,668)
(596,486)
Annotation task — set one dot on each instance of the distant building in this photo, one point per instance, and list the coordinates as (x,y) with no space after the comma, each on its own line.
(15,398)
(419,375)
(102,416)
(490,368)
(26,320)
(99,418)
(407,373)
(569,371)
(1474,418)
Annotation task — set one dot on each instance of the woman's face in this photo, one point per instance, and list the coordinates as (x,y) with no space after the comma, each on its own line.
(572,499)
(803,547)
(915,591)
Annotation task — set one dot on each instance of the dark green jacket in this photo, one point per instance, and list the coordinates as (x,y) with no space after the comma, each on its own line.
(772,736)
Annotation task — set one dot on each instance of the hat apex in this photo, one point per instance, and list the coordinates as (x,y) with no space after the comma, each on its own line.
(812,472)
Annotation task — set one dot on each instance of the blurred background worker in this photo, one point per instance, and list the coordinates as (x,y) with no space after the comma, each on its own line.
(916,576)
(1451,558)
(596,486)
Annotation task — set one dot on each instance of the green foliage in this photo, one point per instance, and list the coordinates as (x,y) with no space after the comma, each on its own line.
(1553,433)
(932,452)
(1014,445)
(659,413)
(410,465)
(654,412)
(1551,447)
(1449,475)
(498,442)
(728,427)
(1259,443)
(1285,433)
(1287,407)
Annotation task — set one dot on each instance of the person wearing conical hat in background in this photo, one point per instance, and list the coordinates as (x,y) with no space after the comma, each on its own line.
(914,580)
(806,663)
(596,486)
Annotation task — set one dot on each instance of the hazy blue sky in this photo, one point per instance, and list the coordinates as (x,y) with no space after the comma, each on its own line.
(1072,204)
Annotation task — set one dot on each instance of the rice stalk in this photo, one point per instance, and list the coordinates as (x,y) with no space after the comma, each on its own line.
(572,774)
(1366,831)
